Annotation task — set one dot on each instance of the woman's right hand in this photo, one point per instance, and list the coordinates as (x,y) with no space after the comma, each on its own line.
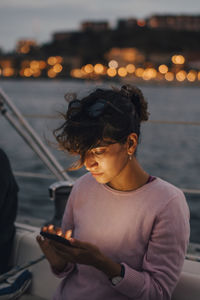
(56,261)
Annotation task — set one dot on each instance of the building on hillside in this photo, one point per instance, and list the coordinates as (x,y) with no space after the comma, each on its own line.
(131,23)
(179,22)
(96,26)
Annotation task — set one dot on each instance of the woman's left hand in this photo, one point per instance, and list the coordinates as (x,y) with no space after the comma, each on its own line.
(80,252)
(88,254)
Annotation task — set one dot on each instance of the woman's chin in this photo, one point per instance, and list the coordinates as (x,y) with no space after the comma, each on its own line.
(100,178)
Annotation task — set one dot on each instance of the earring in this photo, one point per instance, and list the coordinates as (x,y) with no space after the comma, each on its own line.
(130,157)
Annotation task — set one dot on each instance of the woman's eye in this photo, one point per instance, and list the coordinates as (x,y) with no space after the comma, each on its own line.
(99,151)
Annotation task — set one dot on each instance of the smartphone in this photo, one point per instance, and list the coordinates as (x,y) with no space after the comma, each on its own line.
(55,237)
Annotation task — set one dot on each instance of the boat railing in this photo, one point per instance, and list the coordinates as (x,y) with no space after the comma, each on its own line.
(49,176)
(21,125)
(45,116)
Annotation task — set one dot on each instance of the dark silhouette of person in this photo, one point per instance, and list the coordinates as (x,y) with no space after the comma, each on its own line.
(8,210)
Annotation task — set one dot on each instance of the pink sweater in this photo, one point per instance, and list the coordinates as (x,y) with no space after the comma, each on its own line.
(147,230)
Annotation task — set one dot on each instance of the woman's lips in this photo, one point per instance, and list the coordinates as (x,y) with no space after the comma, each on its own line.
(96,174)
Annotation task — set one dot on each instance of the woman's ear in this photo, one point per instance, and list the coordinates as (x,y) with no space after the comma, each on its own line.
(132,142)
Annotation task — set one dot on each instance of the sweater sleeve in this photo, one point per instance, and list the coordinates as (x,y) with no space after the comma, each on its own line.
(67,223)
(164,256)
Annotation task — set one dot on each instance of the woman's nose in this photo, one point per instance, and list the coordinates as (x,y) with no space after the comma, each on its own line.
(90,162)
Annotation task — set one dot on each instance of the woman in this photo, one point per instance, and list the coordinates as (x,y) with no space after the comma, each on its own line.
(130,229)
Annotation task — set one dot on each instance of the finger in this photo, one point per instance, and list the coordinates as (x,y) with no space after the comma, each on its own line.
(47,249)
(63,249)
(80,244)
(39,239)
(58,245)
(43,243)
(68,234)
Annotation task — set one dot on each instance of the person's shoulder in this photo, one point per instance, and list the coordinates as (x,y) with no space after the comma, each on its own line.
(84,181)
(82,185)
(171,195)
(164,187)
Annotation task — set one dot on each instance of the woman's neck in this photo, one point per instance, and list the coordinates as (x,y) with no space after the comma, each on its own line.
(131,178)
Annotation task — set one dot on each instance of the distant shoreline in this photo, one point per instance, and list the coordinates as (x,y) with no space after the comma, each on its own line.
(116,81)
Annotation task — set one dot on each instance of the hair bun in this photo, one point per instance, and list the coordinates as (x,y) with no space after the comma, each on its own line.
(136,97)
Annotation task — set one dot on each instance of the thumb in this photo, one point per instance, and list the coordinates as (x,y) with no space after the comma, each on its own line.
(43,243)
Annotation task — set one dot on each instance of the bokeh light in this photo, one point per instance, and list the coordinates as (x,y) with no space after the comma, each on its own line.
(88,68)
(51,73)
(178,59)
(111,72)
(34,64)
(57,68)
(76,73)
(149,73)
(113,64)
(130,68)
(122,72)
(181,75)
(139,72)
(37,73)
(163,69)
(98,69)
(191,76)
(59,59)
(169,76)
(42,64)
(8,72)
(141,23)
(52,60)
(28,72)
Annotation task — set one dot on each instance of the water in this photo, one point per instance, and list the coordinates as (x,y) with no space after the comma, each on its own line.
(166,150)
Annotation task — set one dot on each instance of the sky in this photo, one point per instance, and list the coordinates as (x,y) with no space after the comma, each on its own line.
(39,19)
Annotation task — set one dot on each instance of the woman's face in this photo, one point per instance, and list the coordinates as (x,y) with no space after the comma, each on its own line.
(107,164)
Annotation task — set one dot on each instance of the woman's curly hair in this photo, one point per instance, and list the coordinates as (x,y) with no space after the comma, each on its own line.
(122,114)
